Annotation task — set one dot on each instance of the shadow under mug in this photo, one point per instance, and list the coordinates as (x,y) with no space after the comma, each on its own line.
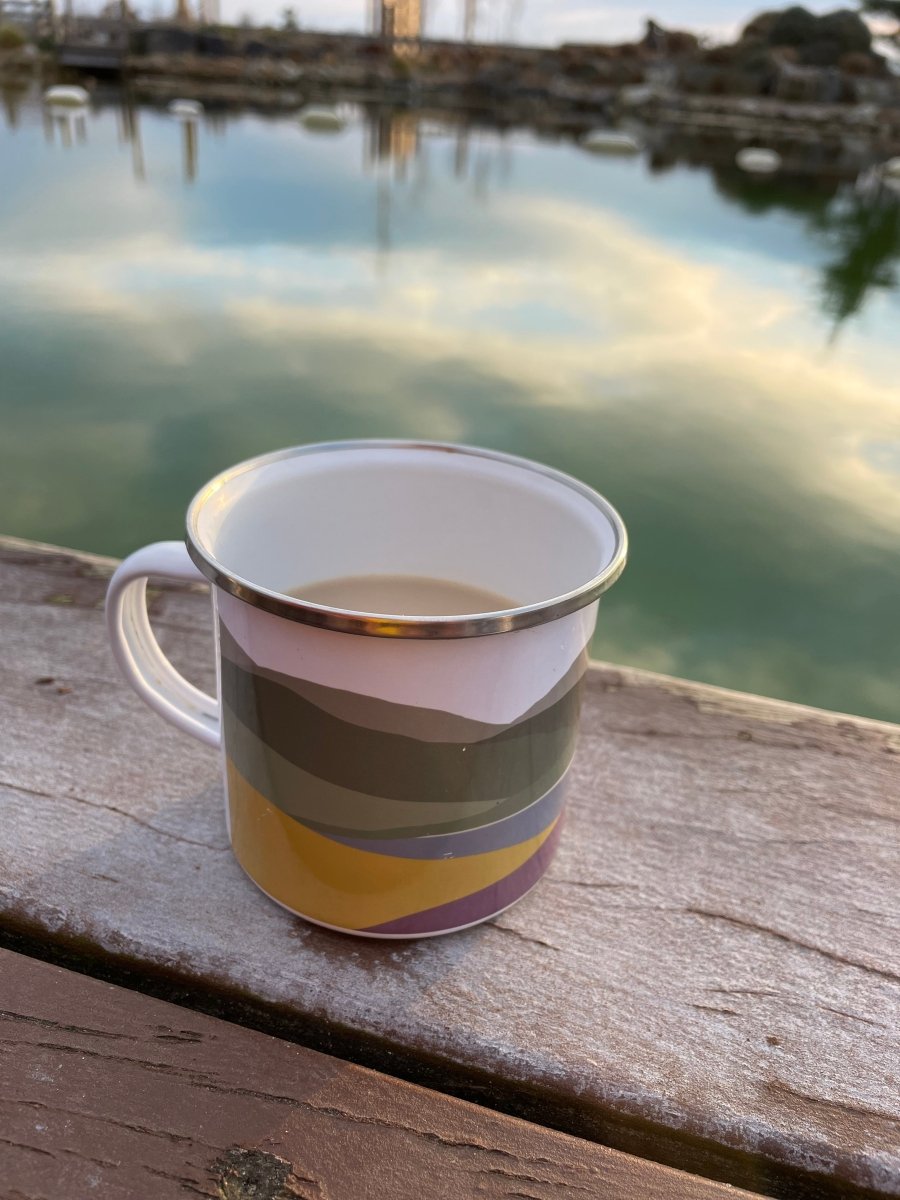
(386,775)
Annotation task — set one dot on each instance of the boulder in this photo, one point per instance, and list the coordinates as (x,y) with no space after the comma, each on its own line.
(795,34)
(821,52)
(855,63)
(658,40)
(794,27)
(846,28)
(760,27)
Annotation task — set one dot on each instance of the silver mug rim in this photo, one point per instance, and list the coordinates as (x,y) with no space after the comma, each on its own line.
(397,626)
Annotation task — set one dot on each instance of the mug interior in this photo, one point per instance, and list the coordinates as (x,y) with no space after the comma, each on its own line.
(489,521)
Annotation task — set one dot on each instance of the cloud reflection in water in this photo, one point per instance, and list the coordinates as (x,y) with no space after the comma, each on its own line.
(153,333)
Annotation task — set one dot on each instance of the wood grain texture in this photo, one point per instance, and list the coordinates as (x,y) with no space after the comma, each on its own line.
(112,1094)
(709,977)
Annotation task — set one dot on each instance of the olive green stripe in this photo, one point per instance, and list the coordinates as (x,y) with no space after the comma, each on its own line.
(371,712)
(392,765)
(330,809)
(387,716)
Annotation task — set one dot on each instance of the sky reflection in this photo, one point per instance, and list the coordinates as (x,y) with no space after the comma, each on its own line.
(659,336)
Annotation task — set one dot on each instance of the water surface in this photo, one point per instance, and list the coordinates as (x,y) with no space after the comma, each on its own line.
(716,354)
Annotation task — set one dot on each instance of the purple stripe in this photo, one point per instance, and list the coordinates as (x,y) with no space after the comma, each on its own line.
(508,832)
(479,905)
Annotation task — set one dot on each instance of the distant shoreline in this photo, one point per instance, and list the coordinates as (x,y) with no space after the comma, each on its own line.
(753,92)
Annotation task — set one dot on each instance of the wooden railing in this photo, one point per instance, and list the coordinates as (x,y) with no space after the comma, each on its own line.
(708,977)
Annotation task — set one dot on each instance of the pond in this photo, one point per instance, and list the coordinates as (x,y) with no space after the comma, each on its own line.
(717,354)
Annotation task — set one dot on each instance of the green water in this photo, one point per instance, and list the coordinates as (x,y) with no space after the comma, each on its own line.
(716,354)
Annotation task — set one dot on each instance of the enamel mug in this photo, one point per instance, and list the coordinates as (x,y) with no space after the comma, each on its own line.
(386,774)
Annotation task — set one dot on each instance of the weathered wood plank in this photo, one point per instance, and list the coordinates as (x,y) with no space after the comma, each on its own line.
(710,976)
(111,1094)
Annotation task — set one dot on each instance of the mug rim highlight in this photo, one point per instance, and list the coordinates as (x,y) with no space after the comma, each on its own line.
(397,626)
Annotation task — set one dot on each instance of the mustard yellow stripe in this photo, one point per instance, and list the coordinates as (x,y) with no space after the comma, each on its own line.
(344,886)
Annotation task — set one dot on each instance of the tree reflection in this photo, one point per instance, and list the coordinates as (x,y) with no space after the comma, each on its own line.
(865,235)
(11,96)
(860,231)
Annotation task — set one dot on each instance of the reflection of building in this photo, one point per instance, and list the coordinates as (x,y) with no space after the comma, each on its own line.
(130,132)
(392,136)
(392,139)
(398,18)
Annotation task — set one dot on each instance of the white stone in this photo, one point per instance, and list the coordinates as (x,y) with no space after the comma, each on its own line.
(757,160)
(185,110)
(322,119)
(63,96)
(610,141)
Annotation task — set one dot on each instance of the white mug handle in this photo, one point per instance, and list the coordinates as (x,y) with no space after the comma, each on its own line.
(137,651)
